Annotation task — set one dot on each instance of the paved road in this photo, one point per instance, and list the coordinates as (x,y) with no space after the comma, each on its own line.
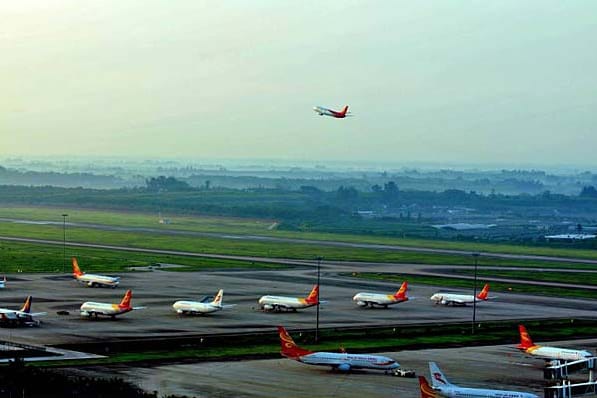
(308,241)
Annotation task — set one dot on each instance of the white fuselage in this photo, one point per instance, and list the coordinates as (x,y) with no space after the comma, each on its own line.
(273,303)
(90,308)
(454,299)
(98,280)
(350,361)
(461,392)
(195,307)
(364,299)
(563,354)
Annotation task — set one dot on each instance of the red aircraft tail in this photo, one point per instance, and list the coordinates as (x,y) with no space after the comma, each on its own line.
(313,297)
(289,347)
(426,390)
(484,292)
(344,110)
(126,300)
(27,306)
(401,293)
(525,339)
(76,270)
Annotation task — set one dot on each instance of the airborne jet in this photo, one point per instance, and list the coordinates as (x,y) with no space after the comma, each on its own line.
(329,112)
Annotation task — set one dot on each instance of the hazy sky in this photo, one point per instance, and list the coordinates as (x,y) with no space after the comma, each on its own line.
(455,81)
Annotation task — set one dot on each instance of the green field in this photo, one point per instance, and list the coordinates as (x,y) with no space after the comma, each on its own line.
(514,287)
(262,227)
(581,278)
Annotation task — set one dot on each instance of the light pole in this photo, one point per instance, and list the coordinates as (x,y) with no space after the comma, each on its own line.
(476,257)
(318,295)
(64,242)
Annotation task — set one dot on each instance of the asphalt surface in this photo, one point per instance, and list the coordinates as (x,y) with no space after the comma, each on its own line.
(157,290)
(499,367)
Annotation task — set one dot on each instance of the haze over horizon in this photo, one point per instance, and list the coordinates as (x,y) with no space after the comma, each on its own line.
(460,82)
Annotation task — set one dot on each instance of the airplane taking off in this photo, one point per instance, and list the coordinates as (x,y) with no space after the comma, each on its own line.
(527,346)
(92,280)
(279,303)
(342,361)
(441,387)
(460,299)
(382,300)
(24,316)
(329,112)
(201,307)
(90,308)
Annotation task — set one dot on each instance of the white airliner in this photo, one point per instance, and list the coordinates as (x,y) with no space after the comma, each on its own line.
(24,316)
(441,387)
(330,112)
(460,299)
(382,300)
(3,283)
(337,360)
(565,354)
(92,280)
(91,308)
(280,303)
(204,306)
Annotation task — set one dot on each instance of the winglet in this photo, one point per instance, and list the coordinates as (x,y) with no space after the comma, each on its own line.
(525,339)
(484,292)
(27,306)
(76,270)
(126,300)
(401,293)
(313,297)
(426,390)
(289,348)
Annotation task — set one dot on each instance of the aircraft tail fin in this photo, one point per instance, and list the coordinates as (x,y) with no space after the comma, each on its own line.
(344,110)
(401,293)
(126,300)
(76,270)
(289,348)
(27,306)
(218,300)
(438,379)
(484,293)
(525,338)
(313,297)
(426,389)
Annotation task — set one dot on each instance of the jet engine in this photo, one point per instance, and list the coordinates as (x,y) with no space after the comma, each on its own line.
(344,367)
(268,307)
(361,303)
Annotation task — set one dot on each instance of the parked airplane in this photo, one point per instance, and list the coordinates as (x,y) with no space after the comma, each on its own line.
(329,112)
(201,307)
(90,308)
(3,283)
(460,299)
(337,360)
(527,346)
(24,316)
(92,280)
(279,303)
(382,300)
(441,387)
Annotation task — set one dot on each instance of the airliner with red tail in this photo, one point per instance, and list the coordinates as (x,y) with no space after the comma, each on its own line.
(461,299)
(92,280)
(342,361)
(441,387)
(364,299)
(528,347)
(329,112)
(91,308)
(281,303)
(24,316)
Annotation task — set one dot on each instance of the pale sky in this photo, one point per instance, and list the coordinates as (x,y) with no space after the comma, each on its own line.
(456,81)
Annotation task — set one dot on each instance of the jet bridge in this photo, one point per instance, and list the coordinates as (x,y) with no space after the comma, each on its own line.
(565,388)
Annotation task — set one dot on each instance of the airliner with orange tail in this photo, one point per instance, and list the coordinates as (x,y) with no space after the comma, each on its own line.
(92,280)
(342,361)
(90,308)
(281,303)
(528,347)
(441,387)
(329,112)
(23,316)
(204,306)
(364,299)
(461,299)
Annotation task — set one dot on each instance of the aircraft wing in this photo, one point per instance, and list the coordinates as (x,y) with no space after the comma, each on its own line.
(228,306)
(139,308)
(34,314)
(9,315)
